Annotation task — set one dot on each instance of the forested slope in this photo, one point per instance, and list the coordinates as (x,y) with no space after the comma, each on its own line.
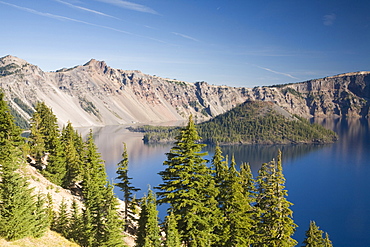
(257,122)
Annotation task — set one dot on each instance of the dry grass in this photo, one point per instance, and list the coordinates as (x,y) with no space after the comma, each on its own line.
(50,239)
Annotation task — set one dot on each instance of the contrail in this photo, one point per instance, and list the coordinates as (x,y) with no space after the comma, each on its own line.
(277,72)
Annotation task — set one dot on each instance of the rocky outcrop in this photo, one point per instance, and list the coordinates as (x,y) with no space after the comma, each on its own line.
(95,95)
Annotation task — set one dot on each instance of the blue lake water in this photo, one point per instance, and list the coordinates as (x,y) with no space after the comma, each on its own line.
(327,183)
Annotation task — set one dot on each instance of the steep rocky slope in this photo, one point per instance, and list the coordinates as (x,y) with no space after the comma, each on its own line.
(342,95)
(95,94)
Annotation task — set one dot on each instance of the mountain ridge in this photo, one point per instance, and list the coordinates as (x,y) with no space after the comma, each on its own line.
(95,94)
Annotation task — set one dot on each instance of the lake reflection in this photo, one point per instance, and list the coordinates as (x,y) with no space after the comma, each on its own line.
(326,183)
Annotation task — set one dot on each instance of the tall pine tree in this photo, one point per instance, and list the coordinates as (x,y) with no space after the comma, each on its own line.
(111,234)
(237,209)
(73,148)
(126,187)
(188,186)
(173,238)
(327,241)
(275,223)
(93,184)
(45,140)
(62,219)
(314,237)
(42,222)
(148,232)
(101,226)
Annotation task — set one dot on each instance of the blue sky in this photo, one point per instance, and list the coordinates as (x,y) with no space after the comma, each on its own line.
(235,42)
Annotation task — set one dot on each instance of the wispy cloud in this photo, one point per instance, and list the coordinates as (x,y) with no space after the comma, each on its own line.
(277,72)
(130,5)
(329,19)
(86,9)
(64,18)
(58,17)
(185,36)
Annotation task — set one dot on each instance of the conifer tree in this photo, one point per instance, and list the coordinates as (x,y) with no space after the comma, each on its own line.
(237,228)
(50,209)
(42,222)
(327,241)
(248,181)
(238,211)
(73,165)
(220,166)
(36,140)
(17,205)
(148,232)
(189,188)
(76,226)
(172,234)
(73,148)
(111,235)
(126,187)
(249,191)
(88,232)
(94,178)
(275,223)
(62,220)
(101,226)
(45,138)
(314,237)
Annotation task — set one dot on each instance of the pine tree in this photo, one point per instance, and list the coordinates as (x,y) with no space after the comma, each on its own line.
(125,186)
(189,188)
(275,224)
(73,166)
(76,226)
(314,237)
(50,209)
(62,220)
(148,232)
(238,211)
(17,206)
(237,228)
(220,166)
(327,241)
(249,190)
(88,232)
(36,140)
(45,139)
(94,178)
(248,181)
(42,222)
(73,148)
(172,234)
(111,236)
(100,221)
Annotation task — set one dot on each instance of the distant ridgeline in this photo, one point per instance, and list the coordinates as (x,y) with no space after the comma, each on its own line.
(252,122)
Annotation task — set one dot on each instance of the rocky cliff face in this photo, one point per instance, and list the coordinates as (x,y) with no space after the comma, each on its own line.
(95,94)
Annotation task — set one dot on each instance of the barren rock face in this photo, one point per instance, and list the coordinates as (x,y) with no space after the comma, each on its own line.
(95,95)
